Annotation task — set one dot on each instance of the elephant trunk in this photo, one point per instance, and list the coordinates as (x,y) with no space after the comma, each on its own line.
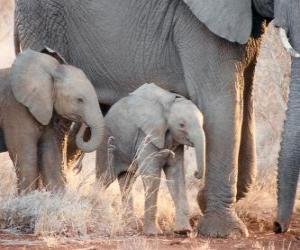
(200,149)
(96,134)
(289,157)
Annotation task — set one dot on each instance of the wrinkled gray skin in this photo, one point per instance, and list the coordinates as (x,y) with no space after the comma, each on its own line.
(156,122)
(36,93)
(203,53)
(288,18)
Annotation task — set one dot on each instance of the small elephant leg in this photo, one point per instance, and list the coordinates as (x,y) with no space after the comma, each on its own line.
(50,155)
(150,166)
(175,175)
(25,161)
(107,163)
(151,181)
(22,148)
(126,181)
(23,153)
(247,155)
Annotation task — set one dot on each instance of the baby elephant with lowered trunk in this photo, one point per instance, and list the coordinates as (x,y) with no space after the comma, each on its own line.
(145,133)
(36,93)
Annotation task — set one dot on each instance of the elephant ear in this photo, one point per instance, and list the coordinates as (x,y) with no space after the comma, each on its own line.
(150,118)
(229,19)
(32,83)
(148,106)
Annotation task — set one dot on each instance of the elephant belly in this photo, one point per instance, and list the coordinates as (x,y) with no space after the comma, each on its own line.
(119,54)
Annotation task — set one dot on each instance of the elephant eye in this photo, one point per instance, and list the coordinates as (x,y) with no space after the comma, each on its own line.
(80,100)
(181,125)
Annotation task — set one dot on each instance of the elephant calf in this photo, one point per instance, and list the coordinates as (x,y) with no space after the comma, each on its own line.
(143,131)
(36,93)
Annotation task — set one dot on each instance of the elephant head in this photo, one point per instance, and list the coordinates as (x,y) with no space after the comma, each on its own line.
(161,113)
(41,83)
(287,18)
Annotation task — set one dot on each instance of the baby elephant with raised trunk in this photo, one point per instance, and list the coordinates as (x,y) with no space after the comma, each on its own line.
(36,93)
(146,132)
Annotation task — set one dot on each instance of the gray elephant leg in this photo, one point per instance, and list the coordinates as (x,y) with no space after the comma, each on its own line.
(220,219)
(24,156)
(150,165)
(151,180)
(218,94)
(175,175)
(126,181)
(247,155)
(50,155)
(107,164)
(26,167)
(22,147)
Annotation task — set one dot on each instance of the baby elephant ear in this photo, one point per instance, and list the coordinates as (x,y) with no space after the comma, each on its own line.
(55,54)
(150,118)
(32,83)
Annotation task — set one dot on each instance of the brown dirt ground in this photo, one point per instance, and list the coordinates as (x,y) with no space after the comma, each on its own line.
(258,239)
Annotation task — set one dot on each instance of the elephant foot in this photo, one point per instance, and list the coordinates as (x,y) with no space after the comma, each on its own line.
(183,230)
(183,227)
(152,230)
(222,224)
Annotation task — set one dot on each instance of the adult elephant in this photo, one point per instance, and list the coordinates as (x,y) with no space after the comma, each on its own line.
(203,50)
(288,19)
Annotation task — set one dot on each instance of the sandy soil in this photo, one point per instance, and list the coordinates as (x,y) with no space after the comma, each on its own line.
(257,240)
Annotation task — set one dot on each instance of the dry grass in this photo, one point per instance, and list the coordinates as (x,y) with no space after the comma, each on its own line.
(85,211)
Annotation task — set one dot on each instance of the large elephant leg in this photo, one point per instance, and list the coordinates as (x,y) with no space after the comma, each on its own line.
(50,159)
(214,79)
(247,154)
(175,175)
(223,135)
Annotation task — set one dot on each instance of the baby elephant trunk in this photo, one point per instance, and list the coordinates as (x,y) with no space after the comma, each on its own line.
(200,148)
(96,127)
